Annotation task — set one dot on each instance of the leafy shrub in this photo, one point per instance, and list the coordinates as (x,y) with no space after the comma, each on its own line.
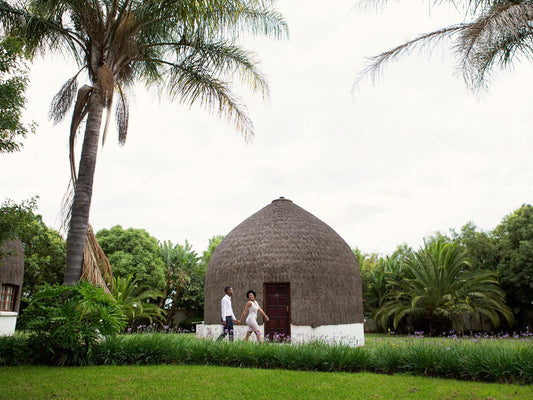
(65,322)
(13,350)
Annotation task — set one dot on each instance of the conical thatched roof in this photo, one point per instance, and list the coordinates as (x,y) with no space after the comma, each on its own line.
(284,243)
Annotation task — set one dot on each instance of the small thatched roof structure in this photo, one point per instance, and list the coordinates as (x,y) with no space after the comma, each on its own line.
(12,266)
(284,243)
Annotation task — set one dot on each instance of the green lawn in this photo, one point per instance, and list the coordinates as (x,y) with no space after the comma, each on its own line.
(203,382)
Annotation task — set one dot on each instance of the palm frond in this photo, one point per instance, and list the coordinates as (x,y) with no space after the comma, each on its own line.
(122,115)
(495,38)
(376,64)
(223,57)
(63,99)
(192,84)
(96,267)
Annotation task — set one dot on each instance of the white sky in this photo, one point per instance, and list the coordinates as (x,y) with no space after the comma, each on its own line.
(390,164)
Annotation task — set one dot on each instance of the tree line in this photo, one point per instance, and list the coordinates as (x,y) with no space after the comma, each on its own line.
(152,279)
(453,278)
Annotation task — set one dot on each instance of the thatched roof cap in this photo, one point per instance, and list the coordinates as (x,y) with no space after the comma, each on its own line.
(284,243)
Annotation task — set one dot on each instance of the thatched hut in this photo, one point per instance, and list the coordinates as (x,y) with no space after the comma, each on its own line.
(11,277)
(305,276)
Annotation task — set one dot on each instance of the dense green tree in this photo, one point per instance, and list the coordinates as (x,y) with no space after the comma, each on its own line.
(514,238)
(14,218)
(438,288)
(206,255)
(481,246)
(186,49)
(494,34)
(44,248)
(133,252)
(365,261)
(13,83)
(44,256)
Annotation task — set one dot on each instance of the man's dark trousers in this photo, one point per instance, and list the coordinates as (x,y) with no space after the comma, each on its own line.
(228,329)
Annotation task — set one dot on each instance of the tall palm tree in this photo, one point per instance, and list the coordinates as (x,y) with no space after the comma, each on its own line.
(494,34)
(185,48)
(438,288)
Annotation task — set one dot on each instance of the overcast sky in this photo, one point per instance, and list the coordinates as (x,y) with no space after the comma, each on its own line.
(394,162)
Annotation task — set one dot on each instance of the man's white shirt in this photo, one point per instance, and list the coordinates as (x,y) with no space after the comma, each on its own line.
(227,309)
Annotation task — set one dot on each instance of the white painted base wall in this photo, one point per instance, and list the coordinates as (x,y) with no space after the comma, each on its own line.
(8,320)
(348,334)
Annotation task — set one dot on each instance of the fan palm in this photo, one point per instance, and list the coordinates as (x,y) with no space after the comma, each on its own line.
(184,48)
(439,289)
(495,33)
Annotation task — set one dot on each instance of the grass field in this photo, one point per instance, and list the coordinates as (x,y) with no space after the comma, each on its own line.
(203,382)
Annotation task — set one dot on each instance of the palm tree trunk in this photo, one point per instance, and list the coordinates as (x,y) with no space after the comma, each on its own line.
(79,220)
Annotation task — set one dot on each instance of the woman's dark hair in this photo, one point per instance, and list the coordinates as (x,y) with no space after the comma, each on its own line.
(248,293)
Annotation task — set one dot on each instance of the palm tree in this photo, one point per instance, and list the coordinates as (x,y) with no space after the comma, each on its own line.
(185,48)
(136,302)
(494,33)
(378,283)
(439,289)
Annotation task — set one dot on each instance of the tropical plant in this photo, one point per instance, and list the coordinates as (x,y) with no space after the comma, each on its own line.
(183,274)
(438,289)
(495,33)
(186,49)
(137,302)
(65,322)
(378,284)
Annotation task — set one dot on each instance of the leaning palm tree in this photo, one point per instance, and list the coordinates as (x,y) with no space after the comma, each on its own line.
(495,33)
(185,48)
(439,289)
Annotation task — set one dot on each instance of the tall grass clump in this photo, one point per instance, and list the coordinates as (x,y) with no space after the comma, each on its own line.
(494,362)
(158,348)
(385,358)
(149,348)
(489,360)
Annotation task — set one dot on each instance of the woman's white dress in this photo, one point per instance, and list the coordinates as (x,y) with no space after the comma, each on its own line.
(251,320)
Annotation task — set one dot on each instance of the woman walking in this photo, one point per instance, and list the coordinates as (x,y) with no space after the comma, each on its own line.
(252,307)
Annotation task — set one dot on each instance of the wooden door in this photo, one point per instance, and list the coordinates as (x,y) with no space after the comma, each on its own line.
(278,308)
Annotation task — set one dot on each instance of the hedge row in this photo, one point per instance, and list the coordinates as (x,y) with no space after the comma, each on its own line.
(494,361)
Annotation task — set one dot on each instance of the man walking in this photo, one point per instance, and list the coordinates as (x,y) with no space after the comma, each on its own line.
(228,318)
